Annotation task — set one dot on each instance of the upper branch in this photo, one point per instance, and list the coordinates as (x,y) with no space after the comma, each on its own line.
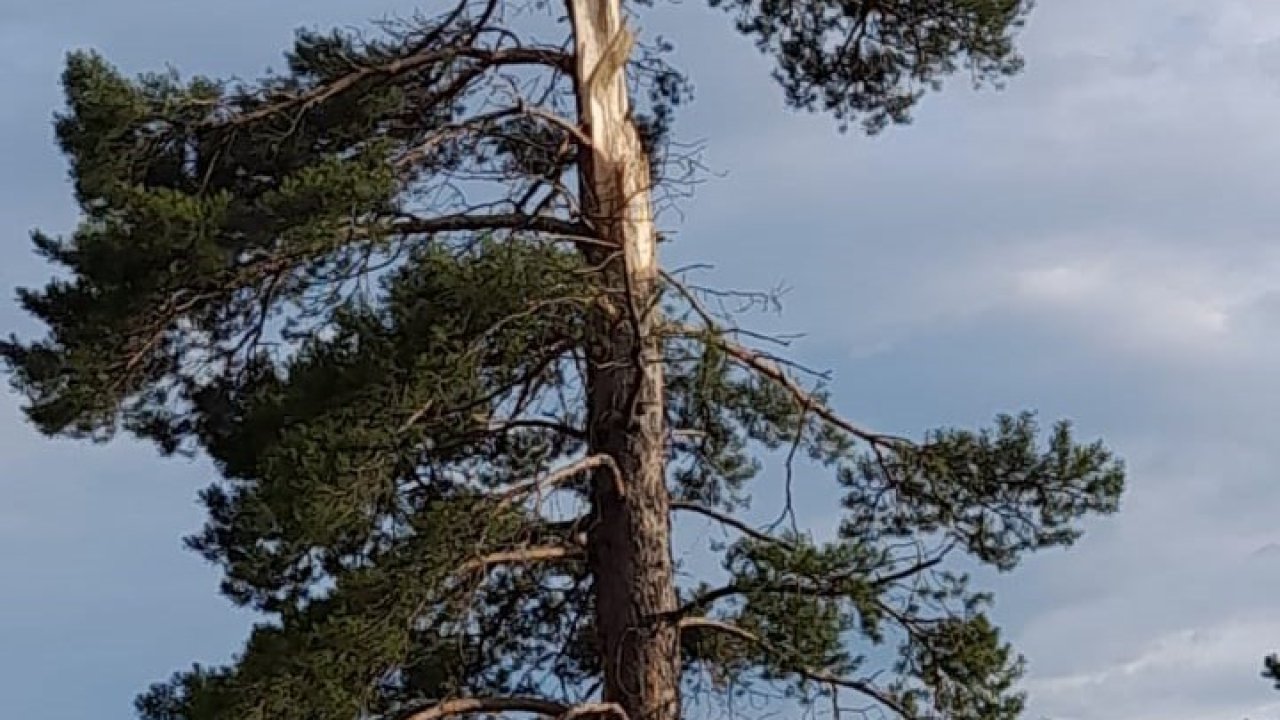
(469,222)
(486,58)
(770,369)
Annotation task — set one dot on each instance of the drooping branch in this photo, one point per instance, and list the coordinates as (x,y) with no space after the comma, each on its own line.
(730,521)
(696,624)
(830,587)
(769,368)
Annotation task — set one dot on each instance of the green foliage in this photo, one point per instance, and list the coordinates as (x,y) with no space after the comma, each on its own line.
(1271,669)
(262,273)
(873,59)
(993,492)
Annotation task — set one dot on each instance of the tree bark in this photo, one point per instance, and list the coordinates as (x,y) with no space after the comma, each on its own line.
(630,549)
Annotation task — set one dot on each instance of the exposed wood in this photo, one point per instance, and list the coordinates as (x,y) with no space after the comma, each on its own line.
(629,552)
(524,705)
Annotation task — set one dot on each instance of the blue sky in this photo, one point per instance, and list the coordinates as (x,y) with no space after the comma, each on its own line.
(1098,242)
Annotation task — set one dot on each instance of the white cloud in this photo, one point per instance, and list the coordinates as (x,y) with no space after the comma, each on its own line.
(1204,673)
(1162,302)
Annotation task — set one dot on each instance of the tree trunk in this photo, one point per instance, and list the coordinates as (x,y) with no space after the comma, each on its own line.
(630,548)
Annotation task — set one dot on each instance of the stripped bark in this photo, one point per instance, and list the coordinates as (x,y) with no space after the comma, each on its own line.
(630,550)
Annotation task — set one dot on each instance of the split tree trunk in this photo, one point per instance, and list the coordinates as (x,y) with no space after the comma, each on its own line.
(630,548)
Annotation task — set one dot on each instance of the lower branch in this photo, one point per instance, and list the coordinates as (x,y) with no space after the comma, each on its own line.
(528,705)
(814,674)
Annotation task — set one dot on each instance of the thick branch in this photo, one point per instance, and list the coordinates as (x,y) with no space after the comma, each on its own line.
(533,705)
(468,222)
(519,556)
(560,476)
(469,706)
(816,675)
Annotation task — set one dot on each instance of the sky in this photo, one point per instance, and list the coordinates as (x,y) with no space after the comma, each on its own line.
(1097,242)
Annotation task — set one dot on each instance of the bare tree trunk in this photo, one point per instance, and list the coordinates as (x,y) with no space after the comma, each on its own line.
(630,549)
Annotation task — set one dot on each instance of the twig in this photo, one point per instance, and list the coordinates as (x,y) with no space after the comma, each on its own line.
(730,521)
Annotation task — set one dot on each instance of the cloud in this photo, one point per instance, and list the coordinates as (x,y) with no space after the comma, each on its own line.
(1188,674)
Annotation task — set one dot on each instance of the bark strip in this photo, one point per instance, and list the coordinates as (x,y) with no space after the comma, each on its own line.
(629,550)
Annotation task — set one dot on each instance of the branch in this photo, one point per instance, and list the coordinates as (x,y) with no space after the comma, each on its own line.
(534,705)
(707,598)
(733,522)
(769,368)
(466,222)
(915,569)
(484,121)
(466,706)
(559,476)
(499,426)
(519,556)
(401,66)
(816,675)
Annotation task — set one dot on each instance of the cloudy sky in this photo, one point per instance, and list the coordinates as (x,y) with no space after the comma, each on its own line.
(1098,242)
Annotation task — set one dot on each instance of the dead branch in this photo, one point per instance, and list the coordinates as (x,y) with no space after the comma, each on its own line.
(562,475)
(520,556)
(816,675)
(485,121)
(469,706)
(400,66)
(534,705)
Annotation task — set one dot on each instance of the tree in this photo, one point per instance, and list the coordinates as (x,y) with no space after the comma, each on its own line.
(406,295)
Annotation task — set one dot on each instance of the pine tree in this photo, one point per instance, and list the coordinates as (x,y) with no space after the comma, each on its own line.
(406,295)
